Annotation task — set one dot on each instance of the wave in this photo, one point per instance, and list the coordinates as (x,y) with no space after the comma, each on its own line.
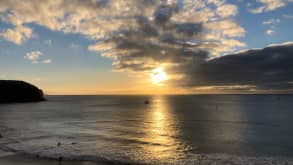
(67,153)
(78,152)
(219,159)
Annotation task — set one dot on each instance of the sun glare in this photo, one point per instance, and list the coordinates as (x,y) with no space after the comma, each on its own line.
(159,76)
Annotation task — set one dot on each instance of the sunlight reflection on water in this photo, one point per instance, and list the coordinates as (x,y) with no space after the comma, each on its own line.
(161,131)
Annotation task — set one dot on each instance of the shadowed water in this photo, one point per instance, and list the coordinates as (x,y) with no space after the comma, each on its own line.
(170,129)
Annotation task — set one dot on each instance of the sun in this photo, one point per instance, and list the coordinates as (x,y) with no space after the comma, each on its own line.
(159,76)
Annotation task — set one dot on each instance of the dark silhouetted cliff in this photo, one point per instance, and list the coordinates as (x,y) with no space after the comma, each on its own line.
(19,91)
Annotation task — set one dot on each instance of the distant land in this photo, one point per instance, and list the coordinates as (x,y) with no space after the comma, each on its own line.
(13,91)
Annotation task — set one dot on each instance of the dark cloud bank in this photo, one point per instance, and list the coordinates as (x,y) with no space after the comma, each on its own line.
(270,68)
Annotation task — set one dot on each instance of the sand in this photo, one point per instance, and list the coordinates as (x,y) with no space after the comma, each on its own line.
(7,158)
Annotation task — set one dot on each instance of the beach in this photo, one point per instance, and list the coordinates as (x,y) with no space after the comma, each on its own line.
(18,159)
(10,158)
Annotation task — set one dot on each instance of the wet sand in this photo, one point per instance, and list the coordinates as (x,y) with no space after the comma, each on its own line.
(9,158)
(17,159)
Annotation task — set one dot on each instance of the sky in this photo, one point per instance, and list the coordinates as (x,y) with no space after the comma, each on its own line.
(148,46)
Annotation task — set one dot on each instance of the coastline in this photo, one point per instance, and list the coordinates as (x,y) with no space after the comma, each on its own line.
(219,159)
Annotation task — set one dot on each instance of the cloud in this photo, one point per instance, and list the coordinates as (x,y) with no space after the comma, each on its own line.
(271,21)
(35,57)
(48,61)
(139,35)
(17,35)
(93,19)
(268,5)
(270,32)
(272,25)
(270,68)
(227,10)
(188,38)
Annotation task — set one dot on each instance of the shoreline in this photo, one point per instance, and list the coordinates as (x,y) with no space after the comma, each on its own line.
(19,159)
(22,159)
(12,158)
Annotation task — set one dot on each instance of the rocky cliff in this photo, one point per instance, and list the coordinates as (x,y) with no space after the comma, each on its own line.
(19,91)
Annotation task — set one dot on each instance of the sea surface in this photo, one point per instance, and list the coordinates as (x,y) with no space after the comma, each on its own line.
(190,129)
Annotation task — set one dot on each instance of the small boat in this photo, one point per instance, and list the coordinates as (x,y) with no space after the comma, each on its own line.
(146,102)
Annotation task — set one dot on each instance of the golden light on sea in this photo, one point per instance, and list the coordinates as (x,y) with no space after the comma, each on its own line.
(160,129)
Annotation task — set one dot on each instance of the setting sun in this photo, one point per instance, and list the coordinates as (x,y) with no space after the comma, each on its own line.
(159,76)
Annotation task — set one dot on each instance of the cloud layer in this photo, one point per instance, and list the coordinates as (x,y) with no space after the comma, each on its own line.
(270,68)
(186,38)
(164,22)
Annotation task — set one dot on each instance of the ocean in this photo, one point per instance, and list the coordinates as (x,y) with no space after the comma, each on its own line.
(185,129)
